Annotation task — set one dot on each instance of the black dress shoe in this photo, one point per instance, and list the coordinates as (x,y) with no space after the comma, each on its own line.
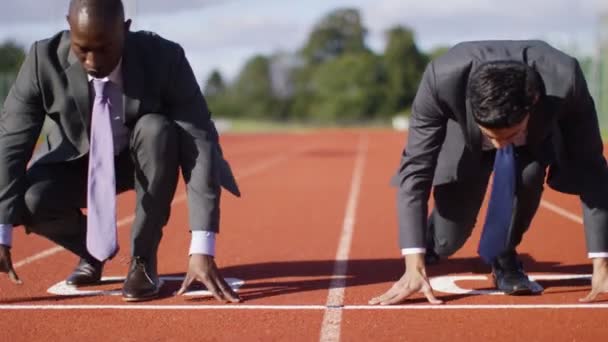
(87,272)
(510,278)
(142,282)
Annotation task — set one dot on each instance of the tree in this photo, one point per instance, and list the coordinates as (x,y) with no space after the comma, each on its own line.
(219,97)
(253,91)
(215,84)
(404,64)
(11,57)
(347,89)
(340,32)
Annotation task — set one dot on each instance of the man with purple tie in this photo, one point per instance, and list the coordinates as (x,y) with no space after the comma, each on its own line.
(123,111)
(519,110)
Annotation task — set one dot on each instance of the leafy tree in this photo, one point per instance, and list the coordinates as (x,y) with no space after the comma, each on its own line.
(253,91)
(340,32)
(347,89)
(11,57)
(404,64)
(215,84)
(219,97)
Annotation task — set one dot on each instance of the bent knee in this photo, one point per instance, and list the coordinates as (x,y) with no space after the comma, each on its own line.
(150,125)
(448,246)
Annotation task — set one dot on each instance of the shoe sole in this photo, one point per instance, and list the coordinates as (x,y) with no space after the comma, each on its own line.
(520,292)
(140,299)
(99,282)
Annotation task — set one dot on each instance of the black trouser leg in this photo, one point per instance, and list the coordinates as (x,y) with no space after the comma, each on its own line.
(154,150)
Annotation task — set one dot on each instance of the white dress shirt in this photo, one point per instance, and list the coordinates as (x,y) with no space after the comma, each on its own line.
(202,242)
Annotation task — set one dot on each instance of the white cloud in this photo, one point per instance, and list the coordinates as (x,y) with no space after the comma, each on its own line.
(36,10)
(458,20)
(224,33)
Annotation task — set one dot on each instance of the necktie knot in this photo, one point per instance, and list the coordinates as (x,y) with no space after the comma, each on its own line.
(100,88)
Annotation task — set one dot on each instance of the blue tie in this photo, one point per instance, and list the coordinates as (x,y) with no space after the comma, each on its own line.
(495,232)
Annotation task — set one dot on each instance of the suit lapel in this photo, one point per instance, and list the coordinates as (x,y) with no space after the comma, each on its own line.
(79,89)
(133,83)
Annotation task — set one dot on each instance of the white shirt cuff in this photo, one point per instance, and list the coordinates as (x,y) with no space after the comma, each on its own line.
(6,234)
(598,255)
(203,242)
(406,251)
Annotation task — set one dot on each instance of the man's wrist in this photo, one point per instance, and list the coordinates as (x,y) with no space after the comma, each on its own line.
(600,262)
(414,261)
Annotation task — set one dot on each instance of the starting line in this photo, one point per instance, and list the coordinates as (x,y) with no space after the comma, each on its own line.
(63,289)
(445,284)
(308,307)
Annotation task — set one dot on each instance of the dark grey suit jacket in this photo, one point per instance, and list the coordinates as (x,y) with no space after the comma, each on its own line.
(157,78)
(444,142)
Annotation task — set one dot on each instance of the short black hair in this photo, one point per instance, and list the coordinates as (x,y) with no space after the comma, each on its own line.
(105,10)
(503,93)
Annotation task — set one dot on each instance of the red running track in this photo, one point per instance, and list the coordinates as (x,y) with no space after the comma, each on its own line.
(309,199)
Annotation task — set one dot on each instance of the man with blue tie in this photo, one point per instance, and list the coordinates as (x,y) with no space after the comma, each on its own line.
(123,111)
(519,110)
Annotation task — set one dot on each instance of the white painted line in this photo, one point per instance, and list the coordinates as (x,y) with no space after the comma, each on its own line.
(257,168)
(477,307)
(308,307)
(41,255)
(162,307)
(330,328)
(63,289)
(561,211)
(449,283)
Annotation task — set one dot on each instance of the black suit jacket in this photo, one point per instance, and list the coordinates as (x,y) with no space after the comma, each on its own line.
(157,78)
(444,142)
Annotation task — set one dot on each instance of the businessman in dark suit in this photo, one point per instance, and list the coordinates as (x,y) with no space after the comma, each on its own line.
(156,122)
(522,110)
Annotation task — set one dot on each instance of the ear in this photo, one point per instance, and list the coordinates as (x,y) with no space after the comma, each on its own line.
(128,25)
(536,98)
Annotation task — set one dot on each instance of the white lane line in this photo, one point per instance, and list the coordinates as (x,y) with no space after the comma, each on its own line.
(255,169)
(57,249)
(330,328)
(478,307)
(235,307)
(41,255)
(561,211)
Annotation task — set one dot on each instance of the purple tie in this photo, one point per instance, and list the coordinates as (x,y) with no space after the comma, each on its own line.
(101,194)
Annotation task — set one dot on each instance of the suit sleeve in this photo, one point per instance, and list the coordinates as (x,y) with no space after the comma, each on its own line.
(584,149)
(426,134)
(198,139)
(21,121)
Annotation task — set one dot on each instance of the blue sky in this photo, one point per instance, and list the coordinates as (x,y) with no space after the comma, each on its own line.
(222,34)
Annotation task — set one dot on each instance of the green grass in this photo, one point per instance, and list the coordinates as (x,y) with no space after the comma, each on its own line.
(262,126)
(265,126)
